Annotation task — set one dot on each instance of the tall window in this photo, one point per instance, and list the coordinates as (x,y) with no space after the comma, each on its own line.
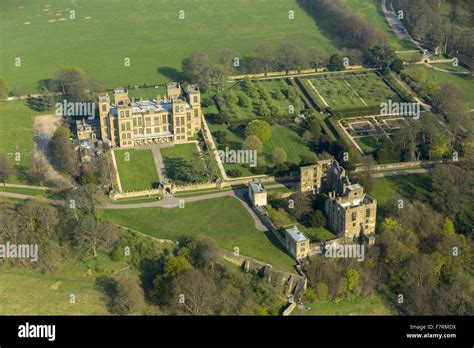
(354,216)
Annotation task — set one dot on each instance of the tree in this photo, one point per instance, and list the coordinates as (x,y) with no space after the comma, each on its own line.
(37,170)
(194,293)
(317,219)
(72,83)
(260,129)
(352,277)
(380,56)
(244,100)
(336,63)
(279,155)
(253,143)
(266,57)
(92,237)
(315,129)
(316,58)
(3,88)
(227,60)
(196,69)
(87,198)
(397,66)
(204,253)
(128,297)
(302,205)
(322,292)
(62,153)
(6,169)
(307,137)
(291,57)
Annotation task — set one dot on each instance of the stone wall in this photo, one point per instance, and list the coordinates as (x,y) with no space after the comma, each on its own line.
(382,167)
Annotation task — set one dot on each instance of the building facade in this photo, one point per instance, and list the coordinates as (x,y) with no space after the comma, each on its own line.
(257,194)
(352,214)
(324,176)
(173,119)
(297,243)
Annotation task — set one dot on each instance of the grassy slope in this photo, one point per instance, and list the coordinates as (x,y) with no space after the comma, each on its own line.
(139,173)
(371,10)
(225,220)
(409,187)
(16,133)
(464,82)
(148,32)
(352,306)
(24,292)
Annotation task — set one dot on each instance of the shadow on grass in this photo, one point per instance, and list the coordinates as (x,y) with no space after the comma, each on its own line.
(171,73)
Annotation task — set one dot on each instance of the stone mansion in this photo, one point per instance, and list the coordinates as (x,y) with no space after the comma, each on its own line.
(128,123)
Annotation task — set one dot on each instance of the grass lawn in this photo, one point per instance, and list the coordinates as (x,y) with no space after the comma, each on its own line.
(317,234)
(371,10)
(225,220)
(352,91)
(24,292)
(285,136)
(16,134)
(352,306)
(450,67)
(30,192)
(185,151)
(156,38)
(371,144)
(412,186)
(136,169)
(464,82)
(409,56)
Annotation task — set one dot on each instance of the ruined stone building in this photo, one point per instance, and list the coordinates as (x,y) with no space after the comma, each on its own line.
(351,213)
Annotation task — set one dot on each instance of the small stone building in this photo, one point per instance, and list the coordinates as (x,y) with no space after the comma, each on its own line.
(296,243)
(257,194)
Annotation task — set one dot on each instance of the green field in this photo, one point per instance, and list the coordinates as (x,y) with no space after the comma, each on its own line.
(285,136)
(410,56)
(185,151)
(16,134)
(351,91)
(136,169)
(277,89)
(24,292)
(464,82)
(148,32)
(371,10)
(352,306)
(409,187)
(225,220)
(29,192)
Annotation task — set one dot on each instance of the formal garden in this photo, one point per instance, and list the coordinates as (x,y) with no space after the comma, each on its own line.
(349,90)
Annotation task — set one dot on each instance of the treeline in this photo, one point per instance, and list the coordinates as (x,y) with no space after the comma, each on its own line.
(352,29)
(62,233)
(424,21)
